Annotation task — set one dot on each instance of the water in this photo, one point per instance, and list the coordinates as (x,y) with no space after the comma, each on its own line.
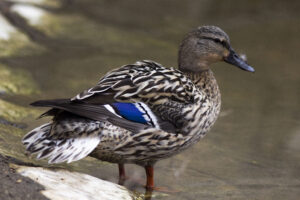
(253,150)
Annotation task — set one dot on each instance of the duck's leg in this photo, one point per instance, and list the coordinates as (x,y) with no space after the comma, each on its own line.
(150,177)
(150,182)
(122,176)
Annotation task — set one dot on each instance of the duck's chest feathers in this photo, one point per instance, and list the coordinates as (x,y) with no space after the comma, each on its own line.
(201,115)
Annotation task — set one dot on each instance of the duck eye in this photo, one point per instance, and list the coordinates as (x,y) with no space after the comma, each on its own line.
(217,40)
(222,42)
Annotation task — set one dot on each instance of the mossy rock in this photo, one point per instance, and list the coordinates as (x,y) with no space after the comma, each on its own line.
(16,81)
(15,113)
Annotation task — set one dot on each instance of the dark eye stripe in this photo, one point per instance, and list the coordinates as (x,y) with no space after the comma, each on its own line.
(217,40)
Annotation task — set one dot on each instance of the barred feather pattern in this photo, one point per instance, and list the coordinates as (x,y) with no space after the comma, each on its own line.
(190,101)
(165,90)
(70,139)
(144,81)
(198,118)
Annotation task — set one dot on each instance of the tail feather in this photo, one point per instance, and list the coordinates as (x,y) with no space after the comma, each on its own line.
(39,141)
(50,103)
(36,134)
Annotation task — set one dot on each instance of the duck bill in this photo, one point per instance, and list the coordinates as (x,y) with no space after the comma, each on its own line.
(234,59)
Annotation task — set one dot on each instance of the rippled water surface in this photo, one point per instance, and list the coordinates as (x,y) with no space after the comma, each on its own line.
(252,152)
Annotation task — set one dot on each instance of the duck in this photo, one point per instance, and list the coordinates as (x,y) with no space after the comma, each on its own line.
(139,113)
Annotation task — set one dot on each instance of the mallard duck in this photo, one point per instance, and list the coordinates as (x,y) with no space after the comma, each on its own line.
(142,112)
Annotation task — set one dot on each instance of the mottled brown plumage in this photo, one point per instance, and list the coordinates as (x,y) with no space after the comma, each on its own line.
(140,113)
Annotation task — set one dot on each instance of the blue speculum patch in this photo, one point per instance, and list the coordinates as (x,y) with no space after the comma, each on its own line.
(129,111)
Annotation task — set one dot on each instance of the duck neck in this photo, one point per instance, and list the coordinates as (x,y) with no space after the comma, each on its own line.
(207,83)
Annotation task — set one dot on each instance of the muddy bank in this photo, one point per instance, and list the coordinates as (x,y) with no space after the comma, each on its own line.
(14,186)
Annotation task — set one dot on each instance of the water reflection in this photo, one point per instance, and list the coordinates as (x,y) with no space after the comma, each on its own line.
(251,153)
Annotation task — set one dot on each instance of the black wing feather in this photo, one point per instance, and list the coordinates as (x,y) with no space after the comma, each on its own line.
(91,111)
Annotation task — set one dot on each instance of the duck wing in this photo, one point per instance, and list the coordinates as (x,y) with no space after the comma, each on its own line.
(134,97)
(145,81)
(166,91)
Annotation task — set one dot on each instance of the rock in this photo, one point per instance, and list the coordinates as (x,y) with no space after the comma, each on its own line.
(63,184)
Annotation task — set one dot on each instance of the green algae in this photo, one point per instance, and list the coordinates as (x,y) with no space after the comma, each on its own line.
(16,81)
(15,113)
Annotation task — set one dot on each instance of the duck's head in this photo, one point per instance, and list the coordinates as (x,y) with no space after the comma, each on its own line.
(207,45)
